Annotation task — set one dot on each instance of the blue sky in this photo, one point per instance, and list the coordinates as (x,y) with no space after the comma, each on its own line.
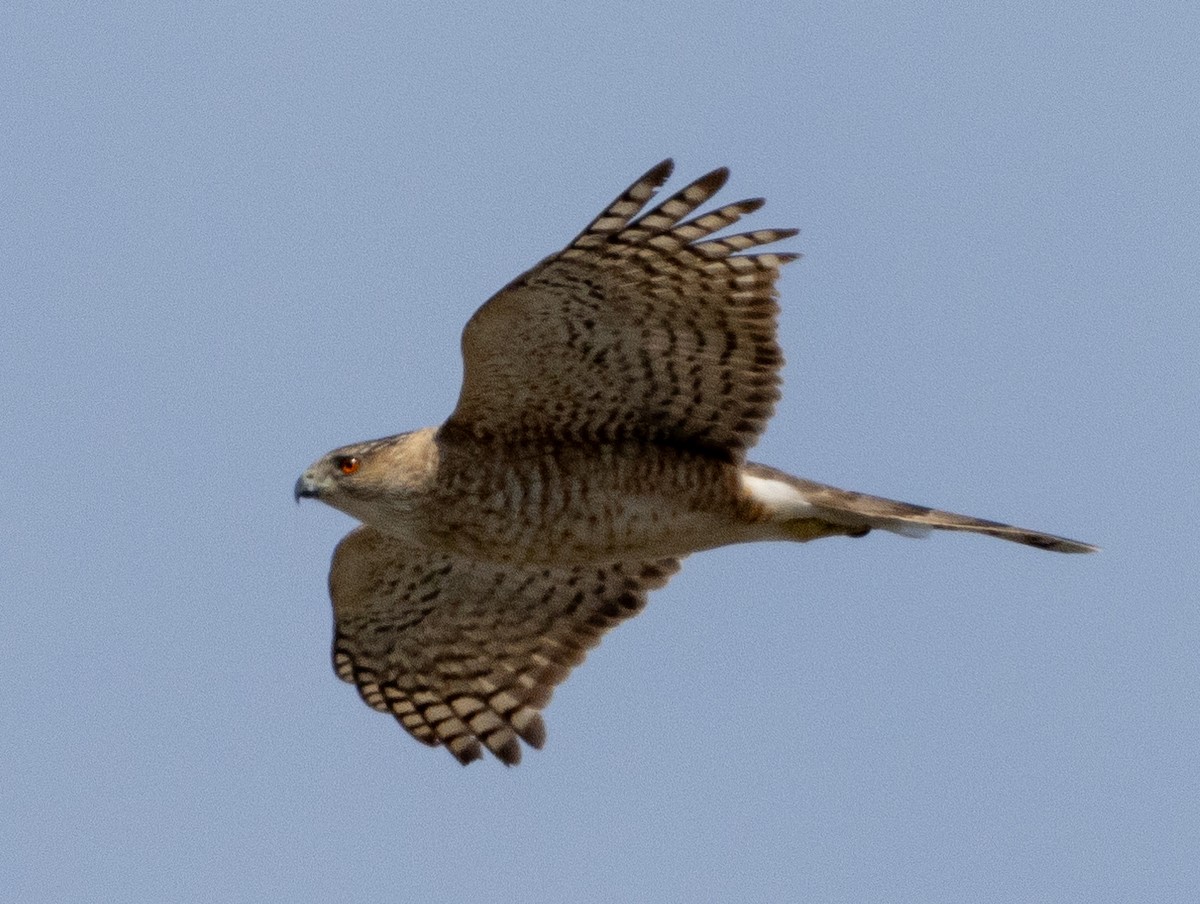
(233,239)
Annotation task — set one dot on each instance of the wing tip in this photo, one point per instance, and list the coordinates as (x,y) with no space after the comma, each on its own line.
(660,172)
(1060,544)
(711,182)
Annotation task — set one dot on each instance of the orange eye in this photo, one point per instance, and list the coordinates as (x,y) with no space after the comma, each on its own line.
(348,465)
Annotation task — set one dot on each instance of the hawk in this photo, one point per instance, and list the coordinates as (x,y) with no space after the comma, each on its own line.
(609,397)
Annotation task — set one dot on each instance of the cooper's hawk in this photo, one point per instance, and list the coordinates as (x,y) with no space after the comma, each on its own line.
(608,400)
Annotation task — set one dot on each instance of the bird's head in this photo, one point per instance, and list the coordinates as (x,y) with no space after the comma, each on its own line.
(376,481)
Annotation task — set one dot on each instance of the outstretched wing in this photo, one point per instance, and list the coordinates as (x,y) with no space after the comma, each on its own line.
(643,330)
(465,653)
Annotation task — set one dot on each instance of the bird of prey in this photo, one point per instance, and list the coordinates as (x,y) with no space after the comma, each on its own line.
(609,397)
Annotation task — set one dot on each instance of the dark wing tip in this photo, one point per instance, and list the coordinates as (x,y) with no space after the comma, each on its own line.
(1060,544)
(468,753)
(712,182)
(509,753)
(534,732)
(659,173)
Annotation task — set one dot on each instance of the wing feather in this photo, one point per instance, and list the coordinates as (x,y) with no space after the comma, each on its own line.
(466,654)
(641,329)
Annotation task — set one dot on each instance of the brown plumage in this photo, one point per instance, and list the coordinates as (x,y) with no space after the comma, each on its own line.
(609,397)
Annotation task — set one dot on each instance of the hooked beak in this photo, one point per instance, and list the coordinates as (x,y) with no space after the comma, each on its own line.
(306,488)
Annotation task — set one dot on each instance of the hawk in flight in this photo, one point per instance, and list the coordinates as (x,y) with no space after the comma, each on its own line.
(609,397)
